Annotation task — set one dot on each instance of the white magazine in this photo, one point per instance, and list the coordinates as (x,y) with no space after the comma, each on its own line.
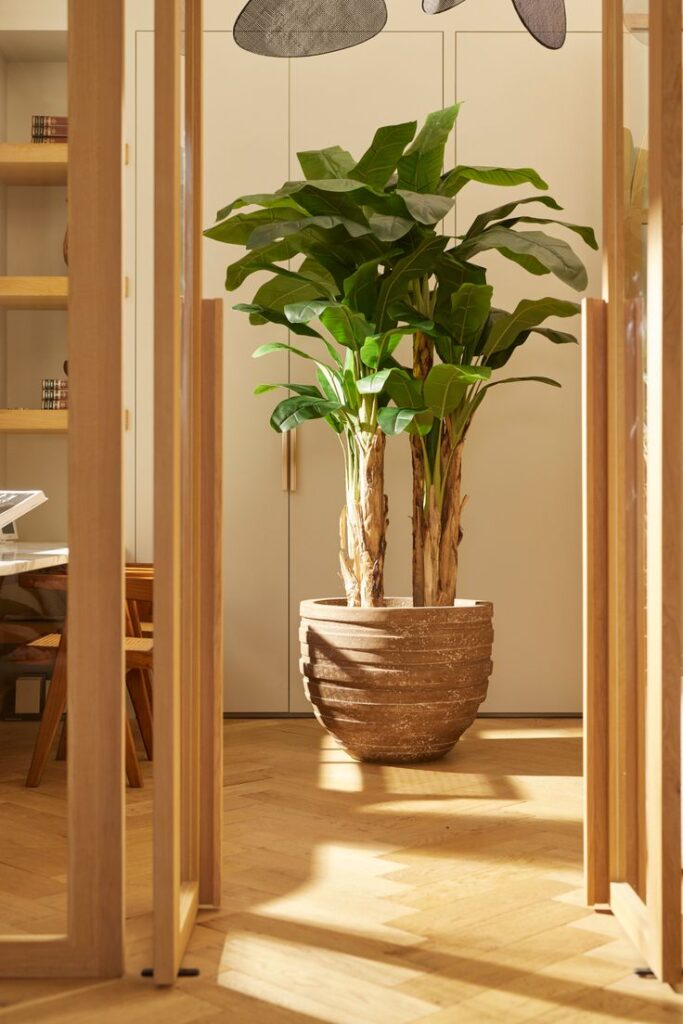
(13,505)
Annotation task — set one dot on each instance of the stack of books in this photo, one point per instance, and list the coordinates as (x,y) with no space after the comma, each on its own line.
(47,128)
(55,393)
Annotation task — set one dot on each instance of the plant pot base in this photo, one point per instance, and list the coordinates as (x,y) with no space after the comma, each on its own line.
(397,684)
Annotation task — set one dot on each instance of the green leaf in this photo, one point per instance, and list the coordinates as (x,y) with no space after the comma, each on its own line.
(445,386)
(516,380)
(451,274)
(425,208)
(377,347)
(283,291)
(259,259)
(331,384)
(527,316)
(267,233)
(484,219)
(347,327)
(238,230)
(419,169)
(361,287)
(374,383)
(304,312)
(377,165)
(418,263)
(470,308)
(262,315)
(280,346)
(299,389)
(264,199)
(321,279)
(291,412)
(586,233)
(398,421)
(388,227)
(554,254)
(405,391)
(456,179)
(333,162)
(557,337)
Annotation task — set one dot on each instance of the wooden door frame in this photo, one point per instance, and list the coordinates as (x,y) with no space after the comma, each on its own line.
(636,867)
(93,943)
(187,516)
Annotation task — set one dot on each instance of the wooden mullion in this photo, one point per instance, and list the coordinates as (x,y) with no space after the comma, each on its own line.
(167,493)
(663,699)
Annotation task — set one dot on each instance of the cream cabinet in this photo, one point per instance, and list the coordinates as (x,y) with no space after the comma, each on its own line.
(522,106)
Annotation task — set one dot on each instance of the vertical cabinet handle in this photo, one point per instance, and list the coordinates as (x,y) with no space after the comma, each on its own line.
(289,467)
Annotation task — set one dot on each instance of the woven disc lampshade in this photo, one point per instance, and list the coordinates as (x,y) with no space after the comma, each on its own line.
(305,28)
(545,19)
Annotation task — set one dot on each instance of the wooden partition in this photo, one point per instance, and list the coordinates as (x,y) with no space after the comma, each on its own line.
(187,497)
(93,943)
(633,609)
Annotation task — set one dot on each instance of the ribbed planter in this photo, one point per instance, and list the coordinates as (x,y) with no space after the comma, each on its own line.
(396,684)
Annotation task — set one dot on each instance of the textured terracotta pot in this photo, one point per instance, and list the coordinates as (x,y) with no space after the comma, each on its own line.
(398,683)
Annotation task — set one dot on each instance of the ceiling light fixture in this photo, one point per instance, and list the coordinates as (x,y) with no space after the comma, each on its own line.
(307,28)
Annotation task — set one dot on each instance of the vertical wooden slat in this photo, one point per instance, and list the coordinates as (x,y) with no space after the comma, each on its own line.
(191,440)
(167,492)
(596,609)
(96,554)
(211,630)
(663,700)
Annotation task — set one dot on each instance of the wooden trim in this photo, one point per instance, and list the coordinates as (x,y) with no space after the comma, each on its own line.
(211,612)
(167,507)
(596,611)
(96,547)
(664,325)
(191,441)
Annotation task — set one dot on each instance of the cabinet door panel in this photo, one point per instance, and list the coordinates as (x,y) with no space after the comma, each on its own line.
(246,151)
(522,524)
(340,99)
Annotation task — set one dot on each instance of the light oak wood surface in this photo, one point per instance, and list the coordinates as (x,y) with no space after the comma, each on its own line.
(33,292)
(445,894)
(32,164)
(33,421)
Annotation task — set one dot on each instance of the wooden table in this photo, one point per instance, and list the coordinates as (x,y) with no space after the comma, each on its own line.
(27,556)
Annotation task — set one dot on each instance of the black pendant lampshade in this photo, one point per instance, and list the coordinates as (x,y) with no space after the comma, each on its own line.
(305,28)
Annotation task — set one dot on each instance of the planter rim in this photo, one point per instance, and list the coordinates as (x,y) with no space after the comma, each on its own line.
(401,606)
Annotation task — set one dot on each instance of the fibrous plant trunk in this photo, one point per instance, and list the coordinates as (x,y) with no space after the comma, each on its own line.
(363,524)
(437,529)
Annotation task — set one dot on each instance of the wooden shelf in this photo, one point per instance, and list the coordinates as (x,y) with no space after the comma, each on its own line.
(33,421)
(34,292)
(33,163)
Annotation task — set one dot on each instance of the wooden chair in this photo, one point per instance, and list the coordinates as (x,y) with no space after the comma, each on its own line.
(139,661)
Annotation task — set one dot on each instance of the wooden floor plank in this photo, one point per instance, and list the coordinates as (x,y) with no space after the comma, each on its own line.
(447,893)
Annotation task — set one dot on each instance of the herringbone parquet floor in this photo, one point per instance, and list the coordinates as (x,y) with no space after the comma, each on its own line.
(441,894)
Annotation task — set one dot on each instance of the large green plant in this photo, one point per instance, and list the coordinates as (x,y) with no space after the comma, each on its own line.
(357,247)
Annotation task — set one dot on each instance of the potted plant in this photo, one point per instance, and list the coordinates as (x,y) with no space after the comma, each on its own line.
(396,679)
